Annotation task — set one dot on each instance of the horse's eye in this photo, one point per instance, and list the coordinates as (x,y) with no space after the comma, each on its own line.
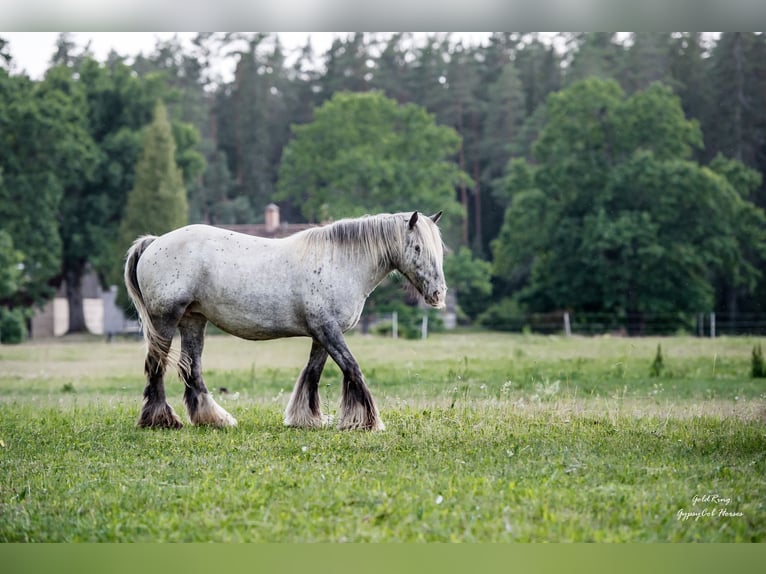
(417,248)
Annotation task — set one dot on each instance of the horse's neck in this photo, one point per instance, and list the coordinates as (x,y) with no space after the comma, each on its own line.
(369,271)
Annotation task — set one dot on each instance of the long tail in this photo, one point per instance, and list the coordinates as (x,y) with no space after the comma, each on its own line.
(156,346)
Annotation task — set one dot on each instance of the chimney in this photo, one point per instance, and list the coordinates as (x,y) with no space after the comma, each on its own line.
(271,217)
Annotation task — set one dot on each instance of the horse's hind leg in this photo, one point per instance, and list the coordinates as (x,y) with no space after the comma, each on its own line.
(202,408)
(357,407)
(156,412)
(303,409)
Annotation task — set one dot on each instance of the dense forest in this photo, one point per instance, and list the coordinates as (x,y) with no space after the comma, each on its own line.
(608,175)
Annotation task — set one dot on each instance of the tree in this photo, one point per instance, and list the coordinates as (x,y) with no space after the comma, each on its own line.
(742,277)
(593,54)
(616,217)
(646,60)
(252,124)
(689,69)
(539,67)
(393,69)
(44,149)
(465,114)
(187,85)
(348,66)
(427,82)
(12,321)
(5,55)
(506,112)
(363,154)
(157,203)
(115,106)
(10,266)
(471,279)
(736,125)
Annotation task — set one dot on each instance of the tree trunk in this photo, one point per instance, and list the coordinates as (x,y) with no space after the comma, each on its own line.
(73,278)
(477,239)
(464,198)
(740,94)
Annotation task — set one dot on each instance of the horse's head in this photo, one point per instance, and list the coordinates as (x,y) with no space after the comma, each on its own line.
(421,261)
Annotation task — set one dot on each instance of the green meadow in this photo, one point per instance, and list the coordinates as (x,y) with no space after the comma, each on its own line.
(490,438)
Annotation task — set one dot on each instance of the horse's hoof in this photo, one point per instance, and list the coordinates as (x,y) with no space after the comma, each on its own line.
(159,417)
(208,412)
(323,421)
(160,425)
(376,425)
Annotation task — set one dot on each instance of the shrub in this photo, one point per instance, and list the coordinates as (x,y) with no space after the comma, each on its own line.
(658,364)
(13,326)
(758,369)
(505,315)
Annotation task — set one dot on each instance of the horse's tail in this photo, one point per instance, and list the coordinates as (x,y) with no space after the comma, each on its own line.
(156,346)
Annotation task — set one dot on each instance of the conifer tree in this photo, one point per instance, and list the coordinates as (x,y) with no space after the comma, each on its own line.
(157,203)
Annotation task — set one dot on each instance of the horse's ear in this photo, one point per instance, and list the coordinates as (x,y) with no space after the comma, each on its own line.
(436,217)
(413,220)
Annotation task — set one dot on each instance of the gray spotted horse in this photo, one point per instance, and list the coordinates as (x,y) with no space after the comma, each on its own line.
(313,283)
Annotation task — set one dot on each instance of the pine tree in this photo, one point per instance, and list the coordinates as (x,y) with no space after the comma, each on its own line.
(157,203)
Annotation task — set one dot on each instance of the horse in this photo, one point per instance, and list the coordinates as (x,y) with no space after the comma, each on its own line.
(313,283)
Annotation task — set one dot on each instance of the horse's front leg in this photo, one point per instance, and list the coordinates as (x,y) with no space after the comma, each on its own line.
(303,409)
(357,407)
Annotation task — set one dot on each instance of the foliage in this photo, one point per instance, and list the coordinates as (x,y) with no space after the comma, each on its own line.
(43,149)
(119,104)
(363,153)
(157,203)
(11,270)
(409,323)
(12,321)
(470,278)
(13,325)
(758,366)
(658,364)
(504,315)
(616,217)
(394,295)
(560,226)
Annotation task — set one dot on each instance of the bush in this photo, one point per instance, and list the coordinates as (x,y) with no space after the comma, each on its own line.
(506,315)
(758,370)
(13,326)
(658,364)
(409,323)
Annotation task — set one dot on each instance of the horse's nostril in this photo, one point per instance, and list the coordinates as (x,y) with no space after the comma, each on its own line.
(436,294)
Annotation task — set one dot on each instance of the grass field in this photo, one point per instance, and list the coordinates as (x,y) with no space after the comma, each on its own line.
(490,437)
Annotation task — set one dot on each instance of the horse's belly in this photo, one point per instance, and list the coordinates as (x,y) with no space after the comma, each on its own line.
(259,323)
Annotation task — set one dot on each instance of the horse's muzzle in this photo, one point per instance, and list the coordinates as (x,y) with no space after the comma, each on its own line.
(436,299)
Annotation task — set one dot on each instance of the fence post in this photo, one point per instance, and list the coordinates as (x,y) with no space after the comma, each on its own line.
(424,327)
(395,325)
(567,325)
(712,325)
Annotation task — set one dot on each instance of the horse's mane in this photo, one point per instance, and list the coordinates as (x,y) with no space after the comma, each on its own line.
(380,237)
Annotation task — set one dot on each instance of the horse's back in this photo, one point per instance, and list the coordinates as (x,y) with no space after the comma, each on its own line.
(242,283)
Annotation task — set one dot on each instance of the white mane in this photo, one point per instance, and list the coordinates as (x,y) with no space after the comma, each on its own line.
(380,237)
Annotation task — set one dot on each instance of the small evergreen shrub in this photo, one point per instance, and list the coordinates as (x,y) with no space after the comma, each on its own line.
(658,364)
(758,368)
